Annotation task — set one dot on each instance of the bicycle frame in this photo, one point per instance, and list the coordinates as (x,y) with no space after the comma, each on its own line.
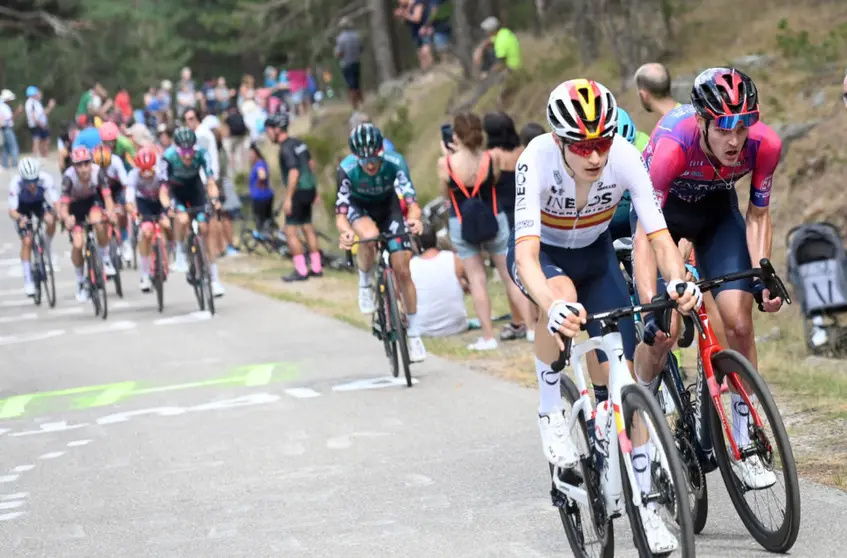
(611,343)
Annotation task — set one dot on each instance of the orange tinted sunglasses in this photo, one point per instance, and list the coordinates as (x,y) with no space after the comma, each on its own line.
(586,148)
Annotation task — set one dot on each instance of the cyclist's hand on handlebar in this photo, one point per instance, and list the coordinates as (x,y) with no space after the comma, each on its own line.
(565,318)
(345,241)
(690,299)
(770,304)
(22,220)
(415,226)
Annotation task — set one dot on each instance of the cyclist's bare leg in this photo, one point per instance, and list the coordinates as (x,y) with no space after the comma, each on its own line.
(400,264)
(50,221)
(165,225)
(364,227)
(26,247)
(100,230)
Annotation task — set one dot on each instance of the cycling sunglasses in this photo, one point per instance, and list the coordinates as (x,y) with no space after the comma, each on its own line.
(730,121)
(82,163)
(586,148)
(185,153)
(374,160)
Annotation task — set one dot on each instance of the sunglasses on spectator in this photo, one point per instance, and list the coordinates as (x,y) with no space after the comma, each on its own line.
(586,148)
(730,121)
(185,153)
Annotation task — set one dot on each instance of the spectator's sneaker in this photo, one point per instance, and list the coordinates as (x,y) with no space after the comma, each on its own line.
(367,300)
(753,473)
(316,273)
(512,331)
(417,350)
(659,538)
(232,251)
(294,276)
(559,448)
(482,344)
(29,288)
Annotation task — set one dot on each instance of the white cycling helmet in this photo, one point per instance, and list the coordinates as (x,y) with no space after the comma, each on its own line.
(29,168)
(582,109)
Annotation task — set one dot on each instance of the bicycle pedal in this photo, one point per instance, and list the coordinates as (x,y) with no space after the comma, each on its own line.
(558,498)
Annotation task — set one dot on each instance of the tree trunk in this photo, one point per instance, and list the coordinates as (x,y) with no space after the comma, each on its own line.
(386,68)
(463,34)
(587,31)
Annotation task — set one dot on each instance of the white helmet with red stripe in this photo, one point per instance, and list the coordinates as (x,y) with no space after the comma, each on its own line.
(582,109)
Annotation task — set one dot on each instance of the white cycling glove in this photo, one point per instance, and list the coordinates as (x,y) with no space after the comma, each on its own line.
(690,287)
(559,312)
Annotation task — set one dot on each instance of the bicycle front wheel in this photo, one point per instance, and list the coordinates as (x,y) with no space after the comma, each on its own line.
(766,474)
(398,326)
(197,271)
(659,475)
(158,273)
(47,278)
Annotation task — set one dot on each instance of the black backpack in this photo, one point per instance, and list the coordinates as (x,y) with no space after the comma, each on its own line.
(235,123)
(817,267)
(478,220)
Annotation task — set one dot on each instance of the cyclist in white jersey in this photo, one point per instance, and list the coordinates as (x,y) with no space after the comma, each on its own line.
(568,184)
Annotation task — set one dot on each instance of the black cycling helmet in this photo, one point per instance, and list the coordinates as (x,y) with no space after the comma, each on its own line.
(185,138)
(721,92)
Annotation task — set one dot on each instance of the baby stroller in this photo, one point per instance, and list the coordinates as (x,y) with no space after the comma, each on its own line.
(817,269)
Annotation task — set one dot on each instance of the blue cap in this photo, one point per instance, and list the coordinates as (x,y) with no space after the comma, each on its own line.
(31,90)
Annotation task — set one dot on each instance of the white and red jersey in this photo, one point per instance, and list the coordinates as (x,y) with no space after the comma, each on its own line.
(73,189)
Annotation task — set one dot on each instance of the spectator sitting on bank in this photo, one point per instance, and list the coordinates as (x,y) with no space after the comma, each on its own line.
(440,281)
(507,48)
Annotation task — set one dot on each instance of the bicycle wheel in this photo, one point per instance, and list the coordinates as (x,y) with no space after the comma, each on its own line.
(398,327)
(158,273)
(48,280)
(134,243)
(380,316)
(117,263)
(683,428)
(668,482)
(775,531)
(203,277)
(36,268)
(590,532)
(97,285)
(248,239)
(196,272)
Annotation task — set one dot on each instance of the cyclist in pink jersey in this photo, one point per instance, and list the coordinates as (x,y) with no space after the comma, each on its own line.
(696,155)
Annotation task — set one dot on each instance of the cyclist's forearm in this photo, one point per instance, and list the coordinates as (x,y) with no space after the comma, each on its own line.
(644,266)
(667,255)
(212,188)
(531,275)
(759,234)
(414,212)
(343,224)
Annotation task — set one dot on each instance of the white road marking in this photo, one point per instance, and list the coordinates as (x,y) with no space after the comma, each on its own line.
(22,302)
(27,337)
(9,478)
(372,383)
(339,442)
(77,443)
(15,496)
(67,311)
(18,318)
(223,531)
(23,468)
(9,261)
(9,516)
(121,305)
(302,393)
(52,455)
(48,427)
(105,327)
(185,318)
(11,505)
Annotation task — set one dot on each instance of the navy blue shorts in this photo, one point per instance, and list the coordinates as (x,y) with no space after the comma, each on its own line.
(717,229)
(597,276)
(149,210)
(351,75)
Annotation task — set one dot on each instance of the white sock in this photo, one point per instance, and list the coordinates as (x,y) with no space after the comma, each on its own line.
(364,278)
(104,254)
(641,466)
(213,271)
(80,276)
(740,420)
(413,330)
(180,250)
(548,388)
(145,264)
(27,267)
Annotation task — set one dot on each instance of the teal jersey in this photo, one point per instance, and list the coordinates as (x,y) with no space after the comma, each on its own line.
(187,175)
(354,184)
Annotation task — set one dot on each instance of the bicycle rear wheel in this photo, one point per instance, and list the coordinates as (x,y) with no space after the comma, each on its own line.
(97,285)
(196,272)
(586,537)
(36,269)
(668,482)
(158,273)
(117,263)
(202,276)
(775,531)
(134,243)
(398,327)
(47,277)
(381,317)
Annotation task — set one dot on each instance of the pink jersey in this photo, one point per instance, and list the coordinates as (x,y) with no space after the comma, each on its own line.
(679,167)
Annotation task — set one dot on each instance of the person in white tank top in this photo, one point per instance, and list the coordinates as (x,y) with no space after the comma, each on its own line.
(441,298)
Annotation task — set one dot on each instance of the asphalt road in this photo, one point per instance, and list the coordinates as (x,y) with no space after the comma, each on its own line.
(248,434)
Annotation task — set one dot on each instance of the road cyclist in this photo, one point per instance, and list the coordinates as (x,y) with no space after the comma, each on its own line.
(367,205)
(568,184)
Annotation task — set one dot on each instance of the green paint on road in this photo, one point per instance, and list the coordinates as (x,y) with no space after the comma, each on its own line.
(108,394)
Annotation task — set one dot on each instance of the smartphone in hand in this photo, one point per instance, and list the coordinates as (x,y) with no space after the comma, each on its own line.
(447,135)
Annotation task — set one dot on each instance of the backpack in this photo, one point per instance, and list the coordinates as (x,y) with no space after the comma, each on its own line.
(817,267)
(478,220)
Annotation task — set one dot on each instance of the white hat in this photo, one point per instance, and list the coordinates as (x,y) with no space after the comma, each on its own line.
(7,95)
(211,122)
(490,24)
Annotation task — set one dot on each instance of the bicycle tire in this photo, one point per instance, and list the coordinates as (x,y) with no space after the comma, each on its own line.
(36,270)
(684,435)
(635,396)
(196,273)
(398,326)
(47,276)
(158,274)
(134,243)
(98,285)
(783,539)
(384,334)
(247,240)
(205,278)
(591,478)
(117,263)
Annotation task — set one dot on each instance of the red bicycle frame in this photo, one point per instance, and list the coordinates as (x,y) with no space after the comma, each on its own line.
(708,347)
(158,239)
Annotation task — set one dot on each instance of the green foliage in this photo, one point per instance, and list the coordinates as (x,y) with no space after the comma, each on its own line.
(399,129)
(323,149)
(797,45)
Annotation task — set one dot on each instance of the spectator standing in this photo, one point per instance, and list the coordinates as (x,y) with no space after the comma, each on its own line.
(507,47)
(653,82)
(440,281)
(468,175)
(205,138)
(230,204)
(123,104)
(186,99)
(222,96)
(8,140)
(185,80)
(416,14)
(438,27)
(261,193)
(504,144)
(36,120)
(236,140)
(348,50)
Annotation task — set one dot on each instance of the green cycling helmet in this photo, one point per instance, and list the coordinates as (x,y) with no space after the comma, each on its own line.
(185,138)
(365,141)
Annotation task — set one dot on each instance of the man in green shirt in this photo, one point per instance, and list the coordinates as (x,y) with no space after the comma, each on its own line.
(507,48)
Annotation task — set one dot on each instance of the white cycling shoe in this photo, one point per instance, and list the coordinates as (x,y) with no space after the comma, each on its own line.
(367,300)
(559,447)
(753,473)
(81,292)
(29,288)
(659,538)
(126,252)
(417,350)
(180,265)
(218,289)
(109,268)
(145,284)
